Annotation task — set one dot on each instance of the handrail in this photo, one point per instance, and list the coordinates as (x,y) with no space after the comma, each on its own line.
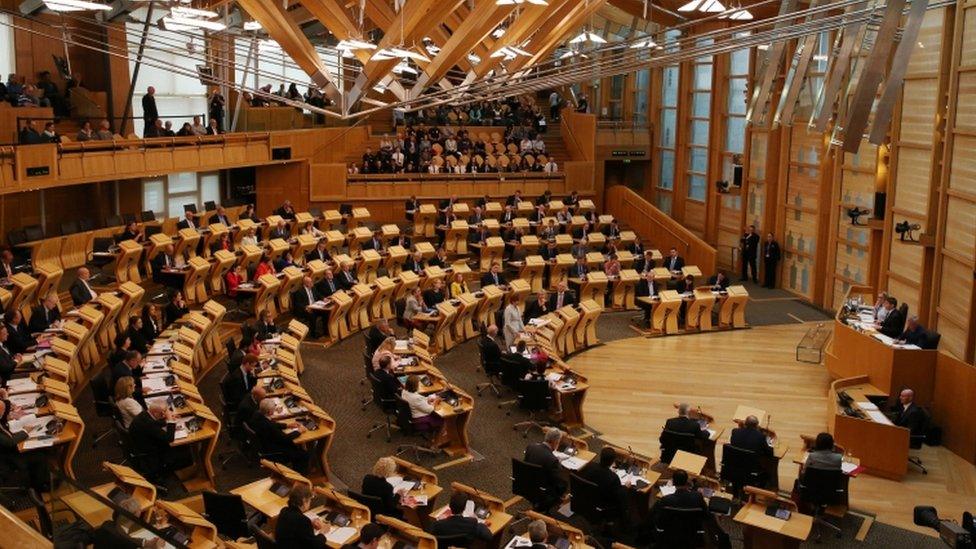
(155,142)
(663,231)
(406,177)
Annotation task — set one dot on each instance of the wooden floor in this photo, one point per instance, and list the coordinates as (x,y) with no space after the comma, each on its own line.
(634,383)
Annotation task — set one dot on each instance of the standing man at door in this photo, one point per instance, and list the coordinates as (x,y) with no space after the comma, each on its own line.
(749,246)
(771,256)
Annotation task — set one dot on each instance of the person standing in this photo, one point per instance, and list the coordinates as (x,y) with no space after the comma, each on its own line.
(771,255)
(554,103)
(749,246)
(217,109)
(149,111)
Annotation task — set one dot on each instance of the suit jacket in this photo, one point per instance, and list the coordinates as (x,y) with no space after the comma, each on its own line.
(751,439)
(488,279)
(912,417)
(346,279)
(238,385)
(41,318)
(374,337)
(246,409)
(674,263)
(644,290)
(893,323)
(682,499)
(279,233)
(174,312)
(326,287)
(223,219)
(824,459)
(321,255)
(299,299)
(110,536)
(432,298)
(490,350)
(578,271)
(137,341)
(391,385)
(272,435)
(19,338)
(750,245)
(569,298)
(770,251)
(411,265)
(80,294)
(294,529)
(685,425)
(378,487)
(539,454)
(713,281)
(536,309)
(185,224)
(410,207)
(159,263)
(7,364)
(149,435)
(266,331)
(613,492)
(457,525)
(914,337)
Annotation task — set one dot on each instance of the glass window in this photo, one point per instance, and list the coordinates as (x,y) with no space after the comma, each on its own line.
(737,96)
(739,60)
(7,63)
(696,187)
(699,132)
(703,76)
(670,96)
(698,161)
(185,182)
(735,135)
(617,87)
(667,170)
(209,187)
(153,196)
(699,104)
(668,121)
(664,202)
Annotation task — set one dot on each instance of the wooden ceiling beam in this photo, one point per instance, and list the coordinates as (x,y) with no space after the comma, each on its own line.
(521,28)
(555,37)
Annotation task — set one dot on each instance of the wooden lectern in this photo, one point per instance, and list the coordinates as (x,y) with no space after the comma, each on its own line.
(586,327)
(368,265)
(733,311)
(456,238)
(593,288)
(394,261)
(359,308)
(623,289)
(558,271)
(665,316)
(338,325)
(699,313)
(491,252)
(127,264)
(425,220)
(532,272)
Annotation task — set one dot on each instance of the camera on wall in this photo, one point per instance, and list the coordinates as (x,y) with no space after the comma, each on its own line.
(952,533)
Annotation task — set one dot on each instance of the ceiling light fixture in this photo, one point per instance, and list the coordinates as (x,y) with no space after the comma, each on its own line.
(587,36)
(181,11)
(190,22)
(252,26)
(74,5)
(520,2)
(704,6)
(645,43)
(737,15)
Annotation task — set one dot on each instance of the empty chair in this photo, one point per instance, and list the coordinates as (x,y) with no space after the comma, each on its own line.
(530,482)
(226,512)
(740,468)
(587,501)
(535,396)
(672,441)
(680,527)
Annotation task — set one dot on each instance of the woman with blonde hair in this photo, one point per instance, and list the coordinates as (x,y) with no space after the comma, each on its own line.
(128,406)
(385,349)
(376,485)
(458,286)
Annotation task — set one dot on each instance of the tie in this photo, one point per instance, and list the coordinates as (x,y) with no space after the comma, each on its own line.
(246,384)
(559,301)
(331,285)
(495,277)
(311,299)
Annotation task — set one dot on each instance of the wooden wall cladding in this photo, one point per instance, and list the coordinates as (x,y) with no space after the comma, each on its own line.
(326,182)
(955,398)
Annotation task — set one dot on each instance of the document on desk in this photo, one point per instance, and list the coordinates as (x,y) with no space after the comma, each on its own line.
(519,541)
(866,405)
(572,463)
(33,443)
(884,339)
(341,535)
(401,346)
(667,489)
(21,385)
(878,417)
(398,483)
(154,384)
(848,467)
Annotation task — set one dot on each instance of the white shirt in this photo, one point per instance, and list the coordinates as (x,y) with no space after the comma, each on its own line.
(419,405)
(550,167)
(129,408)
(90,291)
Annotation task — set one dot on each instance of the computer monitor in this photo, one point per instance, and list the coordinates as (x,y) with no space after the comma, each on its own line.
(190,208)
(34,232)
(102,244)
(148,215)
(153,229)
(316,212)
(210,206)
(345,209)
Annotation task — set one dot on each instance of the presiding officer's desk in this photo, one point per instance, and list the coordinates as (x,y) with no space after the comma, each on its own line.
(858,349)
(881,447)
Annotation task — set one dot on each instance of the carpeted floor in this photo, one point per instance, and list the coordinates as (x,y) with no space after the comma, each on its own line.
(333,376)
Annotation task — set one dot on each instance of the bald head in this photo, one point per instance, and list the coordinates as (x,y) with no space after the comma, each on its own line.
(907,396)
(683,409)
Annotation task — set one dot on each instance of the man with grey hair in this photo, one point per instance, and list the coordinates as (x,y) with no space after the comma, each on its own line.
(680,425)
(151,435)
(538,533)
(750,437)
(541,454)
(276,438)
(116,531)
(914,333)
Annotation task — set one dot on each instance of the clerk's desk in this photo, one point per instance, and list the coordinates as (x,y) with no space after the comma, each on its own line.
(881,446)
(761,531)
(889,368)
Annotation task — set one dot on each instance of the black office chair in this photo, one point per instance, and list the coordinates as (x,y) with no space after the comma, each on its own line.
(819,489)
(931,340)
(672,441)
(535,396)
(44,523)
(374,503)
(676,527)
(263,539)
(232,426)
(512,370)
(387,404)
(367,372)
(492,370)
(741,467)
(917,438)
(405,422)
(529,481)
(104,404)
(588,501)
(226,512)
(454,540)
(138,460)
(257,449)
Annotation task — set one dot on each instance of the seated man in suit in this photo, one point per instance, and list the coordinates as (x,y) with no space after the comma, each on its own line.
(280,230)
(19,339)
(328,285)
(580,269)
(894,321)
(456,524)
(435,294)
(293,528)
(646,288)
(188,222)
(301,299)
(491,353)
(673,261)
(320,252)
(494,276)
(682,424)
(151,433)
(266,328)
(276,438)
(248,406)
(684,497)
(410,207)
(115,533)
(240,381)
(130,365)
(914,333)
(645,262)
(415,263)
(286,210)
(376,243)
(220,217)
(541,454)
(81,292)
(514,199)
(562,297)
(165,270)
(749,437)
(536,308)
(369,537)
(45,314)
(614,496)
(8,359)
(719,281)
(378,332)
(908,414)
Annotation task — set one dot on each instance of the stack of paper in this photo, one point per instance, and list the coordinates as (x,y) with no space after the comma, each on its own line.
(398,483)
(21,385)
(23,423)
(519,541)
(32,443)
(878,417)
(847,467)
(667,489)
(402,345)
(154,384)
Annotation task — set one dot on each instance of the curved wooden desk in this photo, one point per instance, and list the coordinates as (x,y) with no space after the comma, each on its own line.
(881,446)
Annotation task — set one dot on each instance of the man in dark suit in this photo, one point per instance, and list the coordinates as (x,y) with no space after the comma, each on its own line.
(19,338)
(129,366)
(611,230)
(514,199)
(375,243)
(536,308)
(320,252)
(684,424)
(771,255)
(163,266)
(273,438)
(150,434)
(137,338)
(81,292)
(456,524)
(476,217)
(300,301)
(293,528)
(646,288)
(220,217)
(265,328)
(749,246)
(674,262)
(749,437)
(562,297)
(491,353)
(45,314)
(541,454)
(388,380)
(719,281)
(684,497)
(645,262)
(280,230)
(415,263)
(149,111)
(8,360)
(328,285)
(914,333)
(189,221)
(347,278)
(239,382)
(893,323)
(410,207)
(286,211)
(435,294)
(580,269)
(908,414)
(493,276)
(7,269)
(508,215)
(378,332)
(248,406)
(114,533)
(613,494)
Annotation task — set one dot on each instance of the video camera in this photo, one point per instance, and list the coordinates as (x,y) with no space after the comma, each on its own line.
(953,534)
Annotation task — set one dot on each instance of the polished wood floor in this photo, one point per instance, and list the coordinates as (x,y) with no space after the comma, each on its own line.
(635,382)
